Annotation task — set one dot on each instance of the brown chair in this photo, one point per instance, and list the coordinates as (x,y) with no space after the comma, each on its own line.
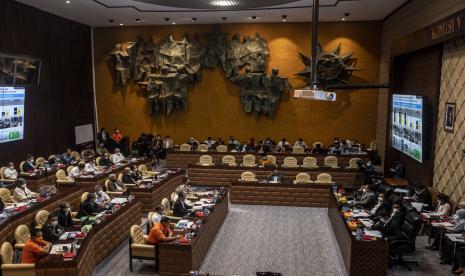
(302,178)
(84,196)
(11,269)
(272,159)
(40,162)
(353,163)
(290,162)
(248,160)
(120,178)
(76,155)
(310,163)
(222,148)
(3,179)
(316,143)
(185,147)
(324,178)
(68,169)
(139,248)
(206,160)
(149,221)
(40,218)
(22,234)
(21,172)
(110,193)
(202,147)
(331,161)
(165,204)
(145,172)
(229,159)
(6,197)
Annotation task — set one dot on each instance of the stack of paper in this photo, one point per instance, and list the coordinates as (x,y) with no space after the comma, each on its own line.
(373,233)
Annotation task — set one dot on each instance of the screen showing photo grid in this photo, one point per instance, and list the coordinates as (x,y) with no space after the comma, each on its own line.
(12,114)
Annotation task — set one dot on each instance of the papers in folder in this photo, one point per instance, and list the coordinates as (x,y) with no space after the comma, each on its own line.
(119,200)
(184,223)
(58,248)
(68,235)
(360,214)
(442,224)
(373,233)
(366,222)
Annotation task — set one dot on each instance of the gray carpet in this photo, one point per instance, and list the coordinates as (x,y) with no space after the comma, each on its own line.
(290,240)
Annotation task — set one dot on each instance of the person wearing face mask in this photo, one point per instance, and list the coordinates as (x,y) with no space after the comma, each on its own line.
(128,177)
(422,195)
(10,171)
(64,215)
(89,207)
(275,177)
(102,199)
(447,247)
(458,220)
(117,136)
(34,247)
(28,165)
(443,208)
(114,185)
(168,143)
(118,157)
(90,167)
(67,157)
(368,199)
(157,215)
(51,229)
(104,161)
(382,206)
(21,192)
(77,171)
(392,229)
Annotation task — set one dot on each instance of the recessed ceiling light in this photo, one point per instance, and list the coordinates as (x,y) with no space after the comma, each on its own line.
(343,19)
(174,23)
(121,24)
(138,20)
(284,17)
(223,3)
(68,2)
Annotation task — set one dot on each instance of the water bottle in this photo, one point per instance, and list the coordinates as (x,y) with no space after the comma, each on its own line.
(359,233)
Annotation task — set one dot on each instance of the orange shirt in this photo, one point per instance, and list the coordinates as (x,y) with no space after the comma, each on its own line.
(117,137)
(32,250)
(158,232)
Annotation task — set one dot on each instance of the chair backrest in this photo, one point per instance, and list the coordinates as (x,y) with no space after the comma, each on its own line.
(174,197)
(21,166)
(290,162)
(5,195)
(165,204)
(1,172)
(84,196)
(120,177)
(229,159)
(324,178)
(97,161)
(137,235)
(298,150)
(202,147)
(87,153)
(310,162)
(302,178)
(60,174)
(22,234)
(40,161)
(7,253)
(69,169)
(149,220)
(40,218)
(271,158)
(248,160)
(76,155)
(142,168)
(411,225)
(206,160)
(222,148)
(248,176)
(331,161)
(316,143)
(185,147)
(106,185)
(353,163)
(52,157)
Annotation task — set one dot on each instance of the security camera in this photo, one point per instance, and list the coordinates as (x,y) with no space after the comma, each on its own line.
(346,14)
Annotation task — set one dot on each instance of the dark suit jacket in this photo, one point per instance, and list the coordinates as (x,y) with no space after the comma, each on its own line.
(27,167)
(113,186)
(393,227)
(100,139)
(87,209)
(64,219)
(271,178)
(424,197)
(52,234)
(128,179)
(368,200)
(180,209)
(104,162)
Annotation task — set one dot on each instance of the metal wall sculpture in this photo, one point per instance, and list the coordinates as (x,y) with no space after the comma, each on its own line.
(167,69)
(16,70)
(332,67)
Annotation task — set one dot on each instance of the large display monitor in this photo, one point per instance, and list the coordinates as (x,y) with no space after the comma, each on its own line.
(12,114)
(407,125)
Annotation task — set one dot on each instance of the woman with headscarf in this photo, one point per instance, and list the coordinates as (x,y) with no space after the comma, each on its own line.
(447,248)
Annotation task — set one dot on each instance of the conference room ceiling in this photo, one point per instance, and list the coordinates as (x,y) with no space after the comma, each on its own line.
(101,13)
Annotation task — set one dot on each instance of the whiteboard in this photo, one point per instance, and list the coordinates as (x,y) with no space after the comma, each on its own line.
(84,134)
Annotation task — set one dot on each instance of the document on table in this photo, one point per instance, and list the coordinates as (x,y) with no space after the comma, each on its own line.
(400,191)
(426,215)
(442,224)
(68,235)
(373,233)
(366,222)
(119,200)
(58,248)
(359,214)
(455,238)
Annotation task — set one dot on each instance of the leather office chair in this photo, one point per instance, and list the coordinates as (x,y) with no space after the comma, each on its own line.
(68,169)
(324,178)
(145,172)
(22,234)
(405,244)
(165,204)
(110,193)
(3,179)
(353,163)
(248,160)
(248,177)
(298,150)
(97,161)
(139,248)
(202,147)
(40,218)
(11,269)
(120,178)
(316,143)
(206,160)
(290,162)
(174,197)
(310,163)
(76,155)
(62,179)
(229,159)
(21,172)
(40,162)
(331,161)
(302,178)
(272,159)
(6,197)
(222,148)
(149,221)
(84,196)
(185,147)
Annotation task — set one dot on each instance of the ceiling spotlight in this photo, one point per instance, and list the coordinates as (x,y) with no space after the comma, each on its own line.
(121,24)
(138,20)
(223,3)
(224,18)
(253,17)
(68,2)
(174,23)
(194,19)
(347,14)
(284,17)
(111,20)
(167,19)
(343,19)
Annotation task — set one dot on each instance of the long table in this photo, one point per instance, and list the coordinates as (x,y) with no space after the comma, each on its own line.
(98,243)
(300,195)
(35,181)
(72,195)
(224,175)
(179,259)
(360,257)
(152,197)
(181,159)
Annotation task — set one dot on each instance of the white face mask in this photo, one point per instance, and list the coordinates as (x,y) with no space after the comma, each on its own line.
(396,210)
(67,210)
(380,199)
(100,192)
(54,223)
(23,186)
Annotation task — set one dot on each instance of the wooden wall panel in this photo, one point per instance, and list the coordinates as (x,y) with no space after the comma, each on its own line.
(64,97)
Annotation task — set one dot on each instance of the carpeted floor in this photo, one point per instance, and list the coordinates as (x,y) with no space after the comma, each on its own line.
(290,240)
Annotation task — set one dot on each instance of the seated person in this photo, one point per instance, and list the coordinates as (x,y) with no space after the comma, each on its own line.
(209,142)
(102,150)
(392,228)
(264,161)
(168,143)
(301,142)
(64,215)
(398,169)
(422,195)
(117,136)
(194,143)
(335,149)
(185,187)
(344,146)
(262,148)
(104,161)
(245,147)
(275,176)
(284,144)
(35,247)
(118,157)
(128,177)
(29,165)
(47,190)
(10,172)
(368,171)
(157,215)
(114,185)
(89,207)
(218,142)
(459,226)
(67,158)
(90,167)
(51,229)
(21,192)
(233,144)
(102,199)
(383,204)
(447,249)
(77,171)
(443,208)
(161,232)
(318,149)
(135,173)
(269,142)
(180,208)
(53,160)
(252,143)
(368,199)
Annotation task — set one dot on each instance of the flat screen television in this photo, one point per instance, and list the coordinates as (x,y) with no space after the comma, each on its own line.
(12,113)
(407,122)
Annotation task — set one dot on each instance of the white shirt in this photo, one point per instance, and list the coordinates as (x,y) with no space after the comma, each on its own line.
(117,158)
(168,143)
(443,210)
(303,144)
(74,173)
(156,217)
(10,173)
(209,143)
(102,199)
(285,144)
(90,167)
(22,194)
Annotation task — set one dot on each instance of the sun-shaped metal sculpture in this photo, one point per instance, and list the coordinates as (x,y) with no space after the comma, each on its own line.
(332,67)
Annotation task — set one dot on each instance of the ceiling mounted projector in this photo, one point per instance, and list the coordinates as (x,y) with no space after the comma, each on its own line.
(314,94)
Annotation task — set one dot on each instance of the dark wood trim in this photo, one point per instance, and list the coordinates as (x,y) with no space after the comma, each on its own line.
(396,10)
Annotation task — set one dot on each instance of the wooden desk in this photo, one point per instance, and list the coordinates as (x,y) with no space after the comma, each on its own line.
(360,257)
(181,159)
(301,195)
(224,175)
(34,182)
(179,259)
(152,197)
(396,182)
(99,243)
